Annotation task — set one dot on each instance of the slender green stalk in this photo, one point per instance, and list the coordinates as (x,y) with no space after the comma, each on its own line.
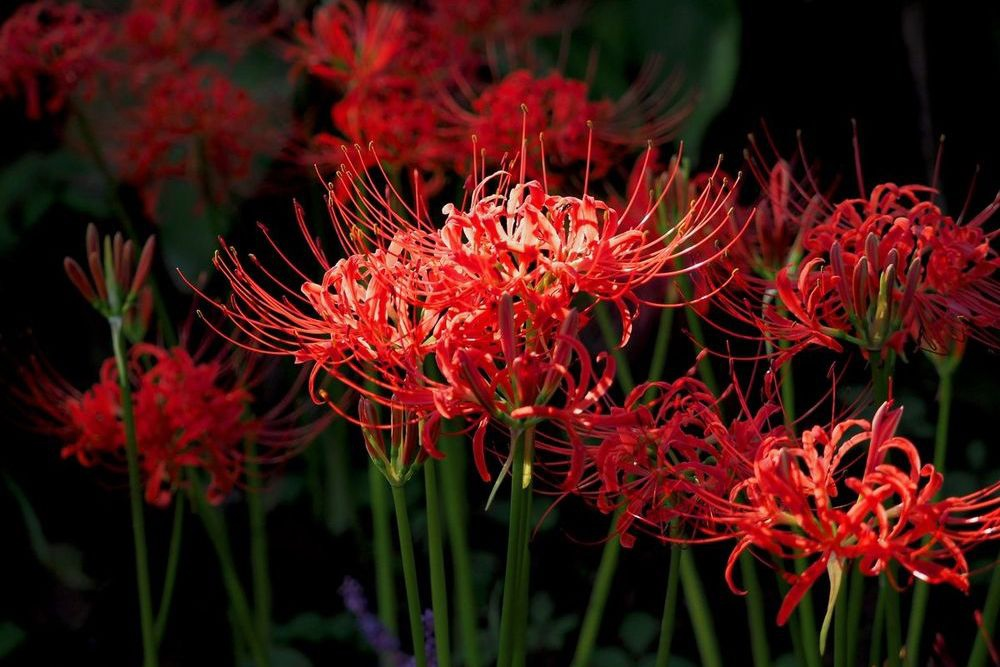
(170,577)
(878,626)
(669,608)
(980,650)
(841,623)
(922,590)
(700,613)
(455,500)
(240,607)
(807,619)
(524,569)
(599,595)
(888,597)
(385,584)
(509,612)
(855,602)
(409,563)
(759,647)
(435,549)
(259,560)
(705,369)
(146,622)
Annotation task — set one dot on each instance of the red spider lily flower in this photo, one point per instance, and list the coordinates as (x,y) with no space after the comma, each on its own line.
(351,46)
(159,35)
(488,296)
(856,493)
(51,50)
(507,25)
(888,271)
(556,105)
(664,449)
(192,125)
(189,416)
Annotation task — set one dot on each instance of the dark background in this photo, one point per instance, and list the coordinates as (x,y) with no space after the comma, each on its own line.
(907,72)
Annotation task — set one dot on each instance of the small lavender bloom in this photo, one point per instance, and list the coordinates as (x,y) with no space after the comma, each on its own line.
(374,633)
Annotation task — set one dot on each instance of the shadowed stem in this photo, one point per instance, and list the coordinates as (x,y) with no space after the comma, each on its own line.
(759,647)
(669,608)
(510,613)
(239,606)
(888,597)
(258,546)
(435,550)
(149,643)
(700,613)
(385,584)
(922,590)
(170,577)
(841,623)
(455,501)
(599,596)
(409,563)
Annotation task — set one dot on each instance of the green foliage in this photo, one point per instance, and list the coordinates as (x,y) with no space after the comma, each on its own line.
(11,636)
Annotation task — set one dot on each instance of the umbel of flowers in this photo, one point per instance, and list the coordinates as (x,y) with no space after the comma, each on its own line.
(493,297)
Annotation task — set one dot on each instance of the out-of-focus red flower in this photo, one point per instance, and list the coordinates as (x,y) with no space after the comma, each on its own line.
(49,51)
(195,125)
(856,493)
(190,416)
(560,108)
(158,38)
(887,271)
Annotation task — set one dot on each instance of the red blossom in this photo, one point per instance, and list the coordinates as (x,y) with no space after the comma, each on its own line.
(195,125)
(888,271)
(854,493)
(48,52)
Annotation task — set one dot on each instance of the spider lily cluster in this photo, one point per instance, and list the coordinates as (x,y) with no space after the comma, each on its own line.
(430,323)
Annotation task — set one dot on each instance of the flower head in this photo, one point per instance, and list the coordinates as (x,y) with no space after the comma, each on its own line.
(48,51)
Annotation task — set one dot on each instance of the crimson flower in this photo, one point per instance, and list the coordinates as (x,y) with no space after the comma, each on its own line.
(190,416)
(191,125)
(854,493)
(888,271)
(48,51)
(556,105)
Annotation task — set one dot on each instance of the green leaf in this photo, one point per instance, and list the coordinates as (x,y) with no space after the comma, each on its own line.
(11,636)
(611,657)
(188,233)
(283,656)
(638,631)
(314,628)
(65,561)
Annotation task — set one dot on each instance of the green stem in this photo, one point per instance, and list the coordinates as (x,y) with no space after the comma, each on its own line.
(435,549)
(385,584)
(922,590)
(149,652)
(980,651)
(599,596)
(455,500)
(755,612)
(669,608)
(705,369)
(258,546)
(841,622)
(700,613)
(878,626)
(509,612)
(807,619)
(170,577)
(855,602)
(524,569)
(409,563)
(216,529)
